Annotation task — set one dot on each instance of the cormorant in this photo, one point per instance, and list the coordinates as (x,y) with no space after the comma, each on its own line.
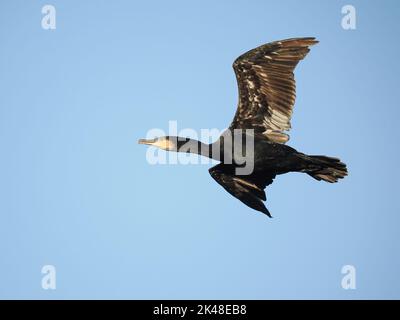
(266,99)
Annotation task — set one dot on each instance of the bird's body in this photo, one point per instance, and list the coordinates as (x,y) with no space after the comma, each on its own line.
(256,137)
(267,155)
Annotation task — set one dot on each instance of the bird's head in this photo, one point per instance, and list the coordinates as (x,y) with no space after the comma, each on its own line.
(168,143)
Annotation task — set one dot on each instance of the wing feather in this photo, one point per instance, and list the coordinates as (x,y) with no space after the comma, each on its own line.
(267,88)
(248,189)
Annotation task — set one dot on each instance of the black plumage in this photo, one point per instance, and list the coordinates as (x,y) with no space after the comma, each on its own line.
(267,92)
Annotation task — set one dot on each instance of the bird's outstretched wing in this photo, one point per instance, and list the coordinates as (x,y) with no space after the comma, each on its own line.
(248,189)
(267,88)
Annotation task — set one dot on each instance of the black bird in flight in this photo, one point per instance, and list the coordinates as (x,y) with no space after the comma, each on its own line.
(267,93)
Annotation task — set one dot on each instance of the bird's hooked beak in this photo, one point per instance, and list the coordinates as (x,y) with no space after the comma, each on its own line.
(162,143)
(147,141)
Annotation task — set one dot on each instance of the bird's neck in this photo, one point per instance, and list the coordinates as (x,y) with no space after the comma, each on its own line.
(194,146)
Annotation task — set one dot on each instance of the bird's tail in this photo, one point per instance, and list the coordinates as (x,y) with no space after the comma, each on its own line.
(325,168)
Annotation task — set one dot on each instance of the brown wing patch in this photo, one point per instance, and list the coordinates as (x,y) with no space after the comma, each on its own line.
(267,89)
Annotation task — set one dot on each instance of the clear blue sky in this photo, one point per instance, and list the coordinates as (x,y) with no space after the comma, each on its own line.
(77,192)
